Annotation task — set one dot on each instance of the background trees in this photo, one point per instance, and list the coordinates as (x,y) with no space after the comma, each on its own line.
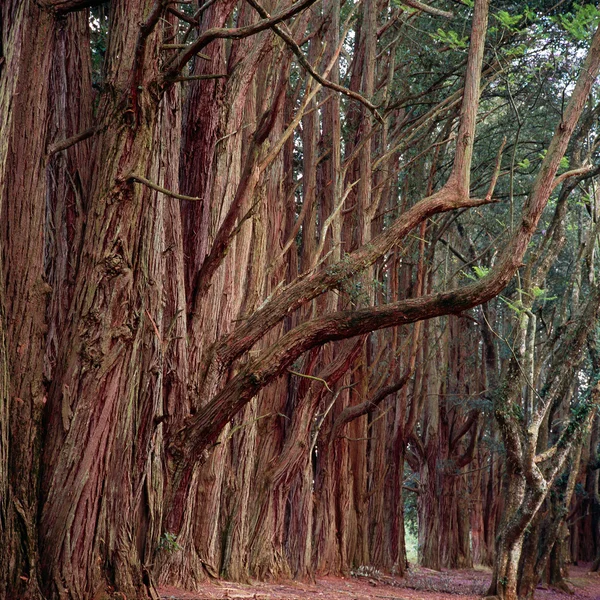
(225,227)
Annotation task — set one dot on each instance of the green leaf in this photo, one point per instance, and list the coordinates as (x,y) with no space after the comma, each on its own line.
(508,21)
(514,307)
(451,38)
(481,271)
(537,291)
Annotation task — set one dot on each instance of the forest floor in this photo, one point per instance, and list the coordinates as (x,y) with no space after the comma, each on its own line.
(420,584)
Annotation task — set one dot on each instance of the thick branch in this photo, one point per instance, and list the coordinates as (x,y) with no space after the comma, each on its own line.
(573,173)
(471,420)
(467,456)
(146,29)
(566,359)
(62,7)
(303,291)
(470,101)
(354,412)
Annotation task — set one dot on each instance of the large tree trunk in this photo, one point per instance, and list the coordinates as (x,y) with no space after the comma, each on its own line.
(107,394)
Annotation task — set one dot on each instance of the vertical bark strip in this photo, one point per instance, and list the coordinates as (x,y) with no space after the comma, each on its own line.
(25,97)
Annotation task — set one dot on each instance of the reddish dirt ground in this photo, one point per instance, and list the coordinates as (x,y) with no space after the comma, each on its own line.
(421,584)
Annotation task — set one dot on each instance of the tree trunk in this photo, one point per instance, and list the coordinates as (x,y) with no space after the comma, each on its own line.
(108,391)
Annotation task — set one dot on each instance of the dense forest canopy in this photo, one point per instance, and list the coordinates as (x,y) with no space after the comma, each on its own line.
(280,278)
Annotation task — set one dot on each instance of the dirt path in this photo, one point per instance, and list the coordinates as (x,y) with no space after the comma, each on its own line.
(421,584)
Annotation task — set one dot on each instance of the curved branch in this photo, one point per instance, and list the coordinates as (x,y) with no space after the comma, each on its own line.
(162,190)
(233,34)
(354,412)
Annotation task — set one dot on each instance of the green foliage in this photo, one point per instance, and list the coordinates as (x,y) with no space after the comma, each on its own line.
(480,273)
(582,22)
(98,42)
(508,21)
(168,543)
(514,306)
(450,38)
(515,52)
(411,521)
(524,164)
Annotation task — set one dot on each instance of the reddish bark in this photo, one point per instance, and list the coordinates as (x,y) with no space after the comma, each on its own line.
(25,98)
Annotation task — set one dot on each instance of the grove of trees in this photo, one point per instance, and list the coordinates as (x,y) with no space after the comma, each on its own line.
(280,278)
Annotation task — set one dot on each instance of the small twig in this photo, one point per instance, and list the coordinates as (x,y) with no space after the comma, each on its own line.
(160,189)
(181,47)
(196,77)
(329,220)
(162,345)
(245,218)
(68,142)
(492,187)
(322,417)
(183,16)
(311,377)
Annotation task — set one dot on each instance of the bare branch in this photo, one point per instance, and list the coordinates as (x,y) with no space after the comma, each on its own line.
(160,189)
(232,33)
(71,141)
(182,47)
(465,141)
(197,78)
(284,33)
(311,377)
(428,9)
(183,17)
(354,412)
(496,173)
(573,173)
